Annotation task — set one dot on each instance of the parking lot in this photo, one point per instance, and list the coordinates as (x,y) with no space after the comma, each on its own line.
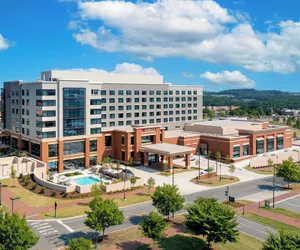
(292,204)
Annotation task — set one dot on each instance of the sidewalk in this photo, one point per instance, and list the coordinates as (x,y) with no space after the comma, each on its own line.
(253,208)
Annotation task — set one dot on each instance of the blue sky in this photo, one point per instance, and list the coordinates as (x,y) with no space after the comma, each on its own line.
(220,44)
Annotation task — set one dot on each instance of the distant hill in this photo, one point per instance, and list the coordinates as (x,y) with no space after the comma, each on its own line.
(274,99)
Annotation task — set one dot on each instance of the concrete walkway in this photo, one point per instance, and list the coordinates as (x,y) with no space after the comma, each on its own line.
(254,208)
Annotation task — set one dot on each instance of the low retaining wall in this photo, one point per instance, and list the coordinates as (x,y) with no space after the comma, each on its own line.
(53,186)
(120,186)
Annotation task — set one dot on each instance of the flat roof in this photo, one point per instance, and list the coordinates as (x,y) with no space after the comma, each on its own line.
(183,133)
(166,149)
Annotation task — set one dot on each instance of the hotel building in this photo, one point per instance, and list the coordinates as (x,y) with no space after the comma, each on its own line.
(72,119)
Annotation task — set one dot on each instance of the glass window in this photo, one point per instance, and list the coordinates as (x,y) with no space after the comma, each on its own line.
(103,100)
(144,99)
(144,92)
(103,125)
(236,151)
(260,146)
(95,111)
(121,108)
(95,131)
(111,100)
(73,148)
(128,115)
(132,140)
(177,92)
(128,92)
(96,121)
(93,160)
(151,121)
(103,108)
(158,120)
(151,92)
(270,144)
(183,92)
(112,116)
(128,99)
(128,107)
(245,150)
(103,92)
(147,138)
(45,103)
(136,92)
(120,92)
(108,141)
(279,142)
(136,107)
(136,122)
(128,122)
(45,92)
(111,92)
(35,149)
(189,92)
(151,99)
(158,99)
(52,166)
(95,91)
(158,92)
(136,99)
(122,139)
(74,164)
(120,100)
(95,101)
(120,115)
(120,123)
(52,150)
(195,92)
(112,108)
(93,145)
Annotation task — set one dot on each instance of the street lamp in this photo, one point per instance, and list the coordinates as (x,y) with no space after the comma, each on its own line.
(274,173)
(0,194)
(173,175)
(220,176)
(124,183)
(199,173)
(12,203)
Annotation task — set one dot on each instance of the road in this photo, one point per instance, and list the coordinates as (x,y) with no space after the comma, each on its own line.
(54,234)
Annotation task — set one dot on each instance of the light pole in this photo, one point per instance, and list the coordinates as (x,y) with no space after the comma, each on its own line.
(199,173)
(220,176)
(12,203)
(0,194)
(274,173)
(124,183)
(173,176)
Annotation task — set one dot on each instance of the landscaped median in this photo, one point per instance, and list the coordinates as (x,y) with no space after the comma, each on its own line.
(215,181)
(261,170)
(177,171)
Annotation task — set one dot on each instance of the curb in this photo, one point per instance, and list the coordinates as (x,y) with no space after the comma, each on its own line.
(257,221)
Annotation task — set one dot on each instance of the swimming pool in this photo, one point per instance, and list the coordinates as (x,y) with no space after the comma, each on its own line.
(88,180)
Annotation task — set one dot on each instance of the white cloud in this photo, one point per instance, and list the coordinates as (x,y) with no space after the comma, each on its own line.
(233,78)
(4,44)
(187,75)
(196,29)
(123,68)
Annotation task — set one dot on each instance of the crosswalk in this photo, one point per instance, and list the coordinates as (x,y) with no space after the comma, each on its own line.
(47,231)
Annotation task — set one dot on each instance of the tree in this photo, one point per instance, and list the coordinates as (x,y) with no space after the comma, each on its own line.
(97,189)
(295,133)
(15,233)
(153,226)
(131,161)
(106,161)
(80,244)
(227,159)
(133,180)
(208,157)
(13,173)
(209,170)
(289,171)
(231,169)
(167,199)
(118,165)
(150,183)
(24,154)
(286,240)
(270,163)
(103,214)
(215,221)
(218,158)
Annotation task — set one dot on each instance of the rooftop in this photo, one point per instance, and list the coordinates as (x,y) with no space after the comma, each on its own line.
(166,149)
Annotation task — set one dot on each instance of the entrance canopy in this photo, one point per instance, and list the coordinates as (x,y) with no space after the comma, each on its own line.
(166,149)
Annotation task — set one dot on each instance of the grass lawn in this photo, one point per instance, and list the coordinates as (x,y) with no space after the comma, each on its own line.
(177,171)
(271,223)
(81,208)
(266,170)
(283,211)
(187,242)
(30,198)
(245,202)
(214,182)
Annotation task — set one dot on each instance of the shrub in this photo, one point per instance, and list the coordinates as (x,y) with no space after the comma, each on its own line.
(43,190)
(23,179)
(34,185)
(21,176)
(28,176)
(53,194)
(26,182)
(65,194)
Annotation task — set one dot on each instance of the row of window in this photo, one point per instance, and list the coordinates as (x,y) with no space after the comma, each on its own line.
(23,92)
(143,92)
(151,99)
(151,121)
(43,135)
(45,103)
(45,92)
(144,107)
(145,114)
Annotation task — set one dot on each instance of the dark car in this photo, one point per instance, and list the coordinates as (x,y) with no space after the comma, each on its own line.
(127,171)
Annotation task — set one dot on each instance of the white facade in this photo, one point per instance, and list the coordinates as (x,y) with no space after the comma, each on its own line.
(126,100)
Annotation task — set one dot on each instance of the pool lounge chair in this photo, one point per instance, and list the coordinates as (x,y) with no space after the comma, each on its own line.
(67,181)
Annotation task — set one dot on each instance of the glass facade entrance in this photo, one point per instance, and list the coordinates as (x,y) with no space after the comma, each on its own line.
(270,144)
(73,164)
(260,146)
(279,142)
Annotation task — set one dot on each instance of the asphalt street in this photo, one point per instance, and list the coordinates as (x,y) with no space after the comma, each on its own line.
(54,234)
(292,204)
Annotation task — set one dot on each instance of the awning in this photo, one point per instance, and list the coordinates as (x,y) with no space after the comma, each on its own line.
(279,135)
(167,149)
(260,139)
(270,137)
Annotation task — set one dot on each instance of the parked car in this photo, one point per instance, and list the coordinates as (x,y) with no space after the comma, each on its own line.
(192,158)
(127,171)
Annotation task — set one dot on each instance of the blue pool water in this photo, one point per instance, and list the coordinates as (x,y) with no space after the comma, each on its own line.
(83,181)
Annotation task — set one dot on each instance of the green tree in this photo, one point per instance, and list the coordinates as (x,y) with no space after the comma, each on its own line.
(131,161)
(218,158)
(209,154)
(118,165)
(103,214)
(167,199)
(97,189)
(227,159)
(106,161)
(215,221)
(231,169)
(13,173)
(283,240)
(209,170)
(150,183)
(289,171)
(153,226)
(133,180)
(295,134)
(270,163)
(15,233)
(80,244)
